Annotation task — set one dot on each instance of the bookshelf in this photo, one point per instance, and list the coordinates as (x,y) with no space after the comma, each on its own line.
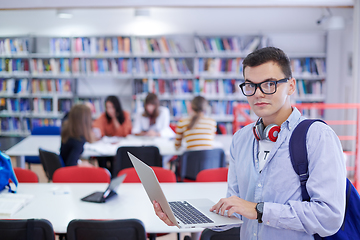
(42,77)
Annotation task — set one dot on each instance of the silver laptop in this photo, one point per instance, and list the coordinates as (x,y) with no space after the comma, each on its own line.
(185,213)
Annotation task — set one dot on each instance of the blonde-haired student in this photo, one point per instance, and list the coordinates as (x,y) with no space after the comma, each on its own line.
(197,130)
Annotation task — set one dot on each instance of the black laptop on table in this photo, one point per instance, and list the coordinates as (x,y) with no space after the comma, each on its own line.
(101,197)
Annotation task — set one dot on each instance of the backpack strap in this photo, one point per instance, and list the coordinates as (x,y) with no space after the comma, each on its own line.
(298,153)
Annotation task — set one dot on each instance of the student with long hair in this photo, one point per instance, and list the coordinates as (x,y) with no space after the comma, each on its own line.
(154,120)
(76,130)
(114,121)
(197,129)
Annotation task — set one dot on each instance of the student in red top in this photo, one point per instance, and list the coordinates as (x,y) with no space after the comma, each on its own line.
(113,122)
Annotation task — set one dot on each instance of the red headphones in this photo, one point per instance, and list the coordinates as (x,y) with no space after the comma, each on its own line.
(270,132)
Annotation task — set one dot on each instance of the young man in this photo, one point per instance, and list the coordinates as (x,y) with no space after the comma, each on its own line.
(263,188)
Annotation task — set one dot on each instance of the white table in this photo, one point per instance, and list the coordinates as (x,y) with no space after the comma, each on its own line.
(31,144)
(131,202)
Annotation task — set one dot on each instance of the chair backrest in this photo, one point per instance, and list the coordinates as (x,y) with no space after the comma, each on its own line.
(231,234)
(46,130)
(26,175)
(75,174)
(148,154)
(39,229)
(213,175)
(162,174)
(124,229)
(50,162)
(192,162)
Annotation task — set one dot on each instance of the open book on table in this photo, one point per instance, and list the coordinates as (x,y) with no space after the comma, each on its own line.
(10,203)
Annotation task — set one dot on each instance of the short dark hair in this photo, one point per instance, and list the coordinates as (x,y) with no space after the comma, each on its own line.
(268,54)
(117,105)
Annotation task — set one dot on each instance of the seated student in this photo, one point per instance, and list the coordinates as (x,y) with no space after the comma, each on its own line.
(197,130)
(114,121)
(75,131)
(154,120)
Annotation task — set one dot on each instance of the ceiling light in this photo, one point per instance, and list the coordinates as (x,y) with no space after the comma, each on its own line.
(62,13)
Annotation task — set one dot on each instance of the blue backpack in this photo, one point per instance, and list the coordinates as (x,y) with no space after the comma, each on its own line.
(6,172)
(350,229)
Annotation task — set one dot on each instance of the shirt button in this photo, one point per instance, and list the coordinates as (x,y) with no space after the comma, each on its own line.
(267,223)
(254,234)
(259,185)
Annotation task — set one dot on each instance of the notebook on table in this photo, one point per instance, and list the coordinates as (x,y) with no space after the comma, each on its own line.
(101,197)
(189,213)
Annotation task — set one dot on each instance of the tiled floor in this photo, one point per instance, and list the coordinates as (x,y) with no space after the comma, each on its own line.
(42,178)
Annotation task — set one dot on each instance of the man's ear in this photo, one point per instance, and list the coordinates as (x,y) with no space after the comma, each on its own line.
(292,86)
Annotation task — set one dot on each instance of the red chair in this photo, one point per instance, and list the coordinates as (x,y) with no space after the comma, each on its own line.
(213,175)
(75,174)
(26,175)
(162,174)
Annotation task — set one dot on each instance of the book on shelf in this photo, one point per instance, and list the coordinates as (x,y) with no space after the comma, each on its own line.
(309,87)
(218,66)
(14,46)
(158,45)
(162,66)
(60,46)
(101,45)
(11,203)
(50,66)
(308,67)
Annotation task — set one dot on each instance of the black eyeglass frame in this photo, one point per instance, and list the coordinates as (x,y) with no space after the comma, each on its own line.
(258,85)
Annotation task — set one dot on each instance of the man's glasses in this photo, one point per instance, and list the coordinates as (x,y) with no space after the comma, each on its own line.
(267,87)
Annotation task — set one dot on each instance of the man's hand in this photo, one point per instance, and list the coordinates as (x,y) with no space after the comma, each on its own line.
(235,204)
(159,212)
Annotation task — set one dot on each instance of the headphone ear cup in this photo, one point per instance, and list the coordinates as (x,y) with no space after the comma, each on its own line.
(256,134)
(271,132)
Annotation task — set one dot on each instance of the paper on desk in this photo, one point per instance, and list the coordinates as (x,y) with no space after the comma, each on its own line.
(101,147)
(10,203)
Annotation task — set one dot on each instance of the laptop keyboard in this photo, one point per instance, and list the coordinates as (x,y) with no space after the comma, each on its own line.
(186,213)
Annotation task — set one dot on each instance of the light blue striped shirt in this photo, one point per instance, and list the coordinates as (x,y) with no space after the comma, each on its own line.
(285,215)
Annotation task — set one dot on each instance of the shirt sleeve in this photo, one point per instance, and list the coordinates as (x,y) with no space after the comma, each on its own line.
(178,134)
(100,124)
(326,187)
(164,123)
(137,124)
(77,148)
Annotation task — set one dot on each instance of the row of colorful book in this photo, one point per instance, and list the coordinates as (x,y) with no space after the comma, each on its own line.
(101,45)
(47,86)
(60,46)
(91,66)
(308,67)
(14,86)
(161,45)
(14,46)
(306,87)
(9,65)
(11,105)
(15,125)
(50,66)
(229,44)
(218,65)
(162,66)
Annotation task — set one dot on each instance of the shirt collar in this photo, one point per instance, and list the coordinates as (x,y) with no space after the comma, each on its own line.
(292,120)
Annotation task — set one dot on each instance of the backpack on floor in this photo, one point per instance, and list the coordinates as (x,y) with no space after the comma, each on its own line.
(350,229)
(6,172)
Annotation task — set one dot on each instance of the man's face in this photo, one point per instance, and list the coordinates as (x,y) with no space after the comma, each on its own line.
(269,107)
